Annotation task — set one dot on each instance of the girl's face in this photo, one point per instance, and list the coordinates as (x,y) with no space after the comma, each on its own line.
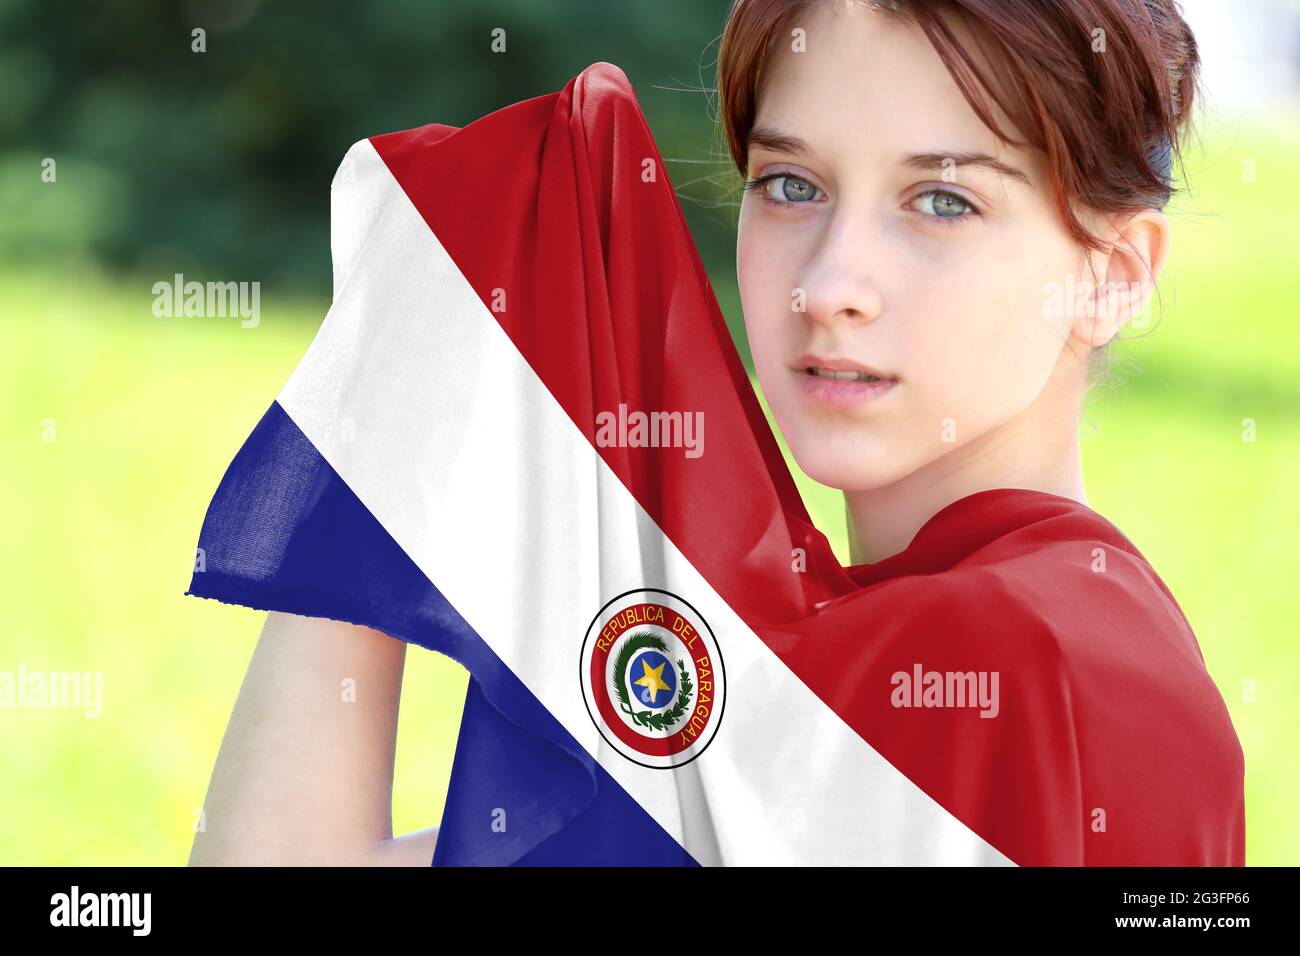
(895,233)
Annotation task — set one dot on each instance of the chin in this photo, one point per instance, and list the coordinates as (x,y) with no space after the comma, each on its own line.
(849,465)
(847,477)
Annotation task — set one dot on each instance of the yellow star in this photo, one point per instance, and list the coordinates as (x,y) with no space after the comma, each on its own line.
(652,679)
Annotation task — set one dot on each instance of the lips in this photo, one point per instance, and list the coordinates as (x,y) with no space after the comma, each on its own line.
(845,375)
(838,369)
(840,383)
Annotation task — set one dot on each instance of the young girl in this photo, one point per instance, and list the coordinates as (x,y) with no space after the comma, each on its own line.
(999,677)
(915,214)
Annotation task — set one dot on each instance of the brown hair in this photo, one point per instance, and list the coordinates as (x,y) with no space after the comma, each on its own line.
(1102,118)
(1103,87)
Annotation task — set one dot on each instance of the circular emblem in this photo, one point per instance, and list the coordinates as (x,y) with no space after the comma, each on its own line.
(652,678)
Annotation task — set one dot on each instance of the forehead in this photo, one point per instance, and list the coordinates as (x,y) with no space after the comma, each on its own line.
(868,81)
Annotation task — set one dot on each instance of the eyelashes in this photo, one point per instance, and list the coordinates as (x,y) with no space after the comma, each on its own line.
(759,186)
(947,194)
(947,197)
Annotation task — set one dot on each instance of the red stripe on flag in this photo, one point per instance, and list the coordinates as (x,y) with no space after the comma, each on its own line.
(559,212)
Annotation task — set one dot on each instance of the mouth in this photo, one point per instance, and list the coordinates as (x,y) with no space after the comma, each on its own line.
(840,382)
(845,375)
(845,369)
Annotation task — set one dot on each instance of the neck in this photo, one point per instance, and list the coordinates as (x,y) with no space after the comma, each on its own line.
(1037,450)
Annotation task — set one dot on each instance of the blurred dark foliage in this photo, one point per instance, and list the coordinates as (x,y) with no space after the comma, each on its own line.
(218,164)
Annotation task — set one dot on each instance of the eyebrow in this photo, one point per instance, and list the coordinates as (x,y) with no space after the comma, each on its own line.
(778,142)
(766,137)
(938,160)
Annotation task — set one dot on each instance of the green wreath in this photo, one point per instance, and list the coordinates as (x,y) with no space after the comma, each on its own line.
(652,721)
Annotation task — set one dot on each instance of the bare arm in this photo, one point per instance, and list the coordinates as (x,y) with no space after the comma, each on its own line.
(304,775)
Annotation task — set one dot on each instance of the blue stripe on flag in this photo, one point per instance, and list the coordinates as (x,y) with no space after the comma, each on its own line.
(285,532)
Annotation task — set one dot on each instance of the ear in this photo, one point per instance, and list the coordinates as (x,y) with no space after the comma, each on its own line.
(1137,246)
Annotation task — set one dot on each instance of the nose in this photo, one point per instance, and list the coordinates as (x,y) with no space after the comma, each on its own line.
(837,282)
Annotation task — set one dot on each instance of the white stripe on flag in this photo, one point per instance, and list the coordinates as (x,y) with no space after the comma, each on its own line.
(476,471)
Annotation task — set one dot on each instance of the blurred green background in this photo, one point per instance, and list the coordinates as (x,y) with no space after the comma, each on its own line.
(117,425)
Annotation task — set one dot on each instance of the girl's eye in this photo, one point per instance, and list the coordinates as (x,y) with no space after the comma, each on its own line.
(944,205)
(794,190)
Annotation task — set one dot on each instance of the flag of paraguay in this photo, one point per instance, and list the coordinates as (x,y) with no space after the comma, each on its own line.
(523,437)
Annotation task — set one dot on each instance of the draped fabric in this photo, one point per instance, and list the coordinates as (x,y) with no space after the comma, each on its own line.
(1018,686)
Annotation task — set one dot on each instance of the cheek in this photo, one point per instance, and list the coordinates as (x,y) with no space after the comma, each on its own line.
(763,284)
(988,347)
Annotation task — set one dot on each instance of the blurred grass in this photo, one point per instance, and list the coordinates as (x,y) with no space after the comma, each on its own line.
(101,522)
